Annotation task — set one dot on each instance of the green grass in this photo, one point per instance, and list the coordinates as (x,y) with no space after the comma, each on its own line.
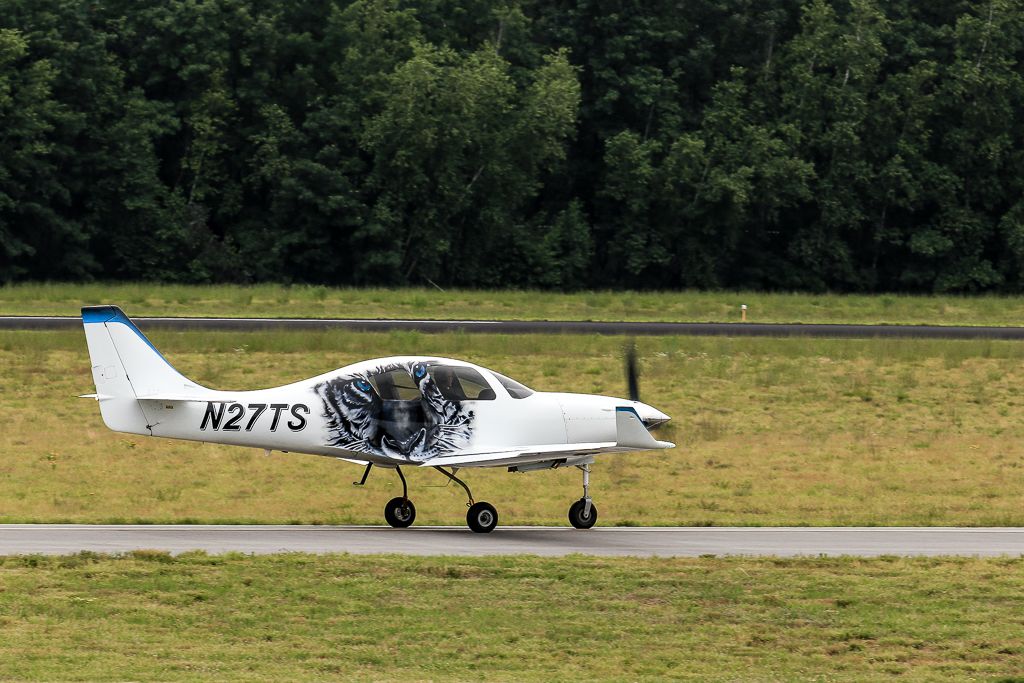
(300,617)
(307,301)
(770,431)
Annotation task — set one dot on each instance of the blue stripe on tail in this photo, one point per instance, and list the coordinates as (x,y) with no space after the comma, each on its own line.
(113,314)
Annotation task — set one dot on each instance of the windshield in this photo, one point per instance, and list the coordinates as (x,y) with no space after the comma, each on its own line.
(461,383)
(514,388)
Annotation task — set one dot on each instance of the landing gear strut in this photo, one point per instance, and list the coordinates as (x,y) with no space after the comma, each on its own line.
(583,513)
(481,517)
(399,512)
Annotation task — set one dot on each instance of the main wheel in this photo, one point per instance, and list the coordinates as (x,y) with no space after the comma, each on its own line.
(400,512)
(580,520)
(482,518)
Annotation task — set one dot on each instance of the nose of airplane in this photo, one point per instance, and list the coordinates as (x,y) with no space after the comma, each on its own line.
(649,415)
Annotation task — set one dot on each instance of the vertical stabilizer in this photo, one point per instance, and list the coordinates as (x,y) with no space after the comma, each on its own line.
(126,366)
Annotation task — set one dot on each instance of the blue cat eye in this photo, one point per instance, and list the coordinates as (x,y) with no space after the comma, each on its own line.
(420,371)
(362,385)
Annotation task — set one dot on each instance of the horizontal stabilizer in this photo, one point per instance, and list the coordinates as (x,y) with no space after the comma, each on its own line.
(175,397)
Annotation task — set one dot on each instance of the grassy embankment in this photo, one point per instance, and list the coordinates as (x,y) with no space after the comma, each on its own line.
(800,431)
(299,617)
(319,302)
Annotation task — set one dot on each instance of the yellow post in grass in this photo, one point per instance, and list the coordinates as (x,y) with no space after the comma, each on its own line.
(743,313)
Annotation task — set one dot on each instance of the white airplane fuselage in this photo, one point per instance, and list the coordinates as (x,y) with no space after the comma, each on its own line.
(293,417)
(396,411)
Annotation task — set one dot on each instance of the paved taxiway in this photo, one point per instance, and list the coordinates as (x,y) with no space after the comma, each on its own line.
(59,539)
(31,322)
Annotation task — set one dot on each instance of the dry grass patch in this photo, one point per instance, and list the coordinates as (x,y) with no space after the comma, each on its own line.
(770,432)
(319,302)
(149,616)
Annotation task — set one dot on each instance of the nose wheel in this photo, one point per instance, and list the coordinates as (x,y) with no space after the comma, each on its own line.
(583,513)
(580,517)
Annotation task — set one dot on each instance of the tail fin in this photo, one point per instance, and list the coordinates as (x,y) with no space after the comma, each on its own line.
(126,367)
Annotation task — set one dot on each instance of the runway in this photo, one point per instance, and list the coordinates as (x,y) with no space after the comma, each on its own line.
(32,322)
(61,539)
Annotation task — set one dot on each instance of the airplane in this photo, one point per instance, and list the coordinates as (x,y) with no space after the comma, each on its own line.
(420,411)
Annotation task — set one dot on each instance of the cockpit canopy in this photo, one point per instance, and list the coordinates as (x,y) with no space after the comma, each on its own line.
(455,383)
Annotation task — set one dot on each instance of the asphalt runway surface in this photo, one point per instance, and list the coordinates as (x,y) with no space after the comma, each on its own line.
(34,322)
(61,539)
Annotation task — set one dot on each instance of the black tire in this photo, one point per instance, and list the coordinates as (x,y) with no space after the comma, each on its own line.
(576,517)
(400,512)
(482,518)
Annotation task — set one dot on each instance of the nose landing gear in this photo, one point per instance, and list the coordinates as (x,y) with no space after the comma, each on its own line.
(583,513)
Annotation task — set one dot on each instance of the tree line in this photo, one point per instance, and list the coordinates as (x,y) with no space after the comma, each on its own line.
(851,145)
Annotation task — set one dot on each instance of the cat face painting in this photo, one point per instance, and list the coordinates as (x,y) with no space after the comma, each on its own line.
(407,411)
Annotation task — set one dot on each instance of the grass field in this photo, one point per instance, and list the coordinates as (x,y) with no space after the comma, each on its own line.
(322,302)
(770,431)
(299,617)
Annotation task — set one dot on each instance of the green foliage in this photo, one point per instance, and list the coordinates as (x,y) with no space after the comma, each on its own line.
(794,144)
(29,180)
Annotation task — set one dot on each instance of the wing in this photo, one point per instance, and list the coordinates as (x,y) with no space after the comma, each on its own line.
(631,435)
(522,456)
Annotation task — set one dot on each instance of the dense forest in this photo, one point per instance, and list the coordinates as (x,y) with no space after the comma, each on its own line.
(771,144)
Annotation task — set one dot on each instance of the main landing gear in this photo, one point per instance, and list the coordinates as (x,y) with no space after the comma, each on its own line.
(481,517)
(583,513)
(400,512)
